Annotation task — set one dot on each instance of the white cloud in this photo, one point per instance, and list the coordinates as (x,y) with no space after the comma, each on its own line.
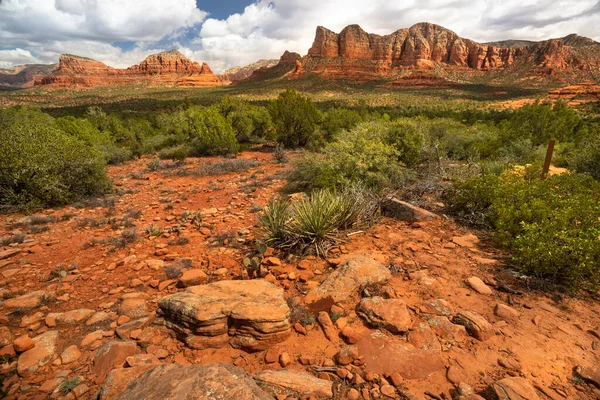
(9,58)
(266,28)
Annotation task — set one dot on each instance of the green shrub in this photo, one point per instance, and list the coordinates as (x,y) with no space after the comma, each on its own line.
(337,120)
(295,118)
(210,134)
(551,226)
(406,138)
(176,153)
(357,156)
(40,165)
(251,124)
(115,155)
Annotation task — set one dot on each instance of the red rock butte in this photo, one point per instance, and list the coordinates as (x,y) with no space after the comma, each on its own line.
(167,68)
(354,54)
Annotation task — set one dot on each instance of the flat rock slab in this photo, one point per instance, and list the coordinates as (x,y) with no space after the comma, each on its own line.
(478,285)
(385,355)
(251,315)
(294,383)
(73,317)
(111,355)
(344,284)
(389,314)
(28,301)
(514,389)
(46,349)
(403,211)
(194,382)
(9,253)
(119,378)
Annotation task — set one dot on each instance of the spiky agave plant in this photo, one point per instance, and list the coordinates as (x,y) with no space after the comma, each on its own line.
(273,220)
(316,219)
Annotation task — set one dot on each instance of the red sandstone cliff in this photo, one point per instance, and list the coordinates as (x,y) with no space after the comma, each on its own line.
(357,55)
(23,76)
(170,68)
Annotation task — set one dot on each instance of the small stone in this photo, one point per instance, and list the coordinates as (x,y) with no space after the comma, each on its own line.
(285,359)
(23,344)
(346,355)
(300,329)
(122,320)
(271,356)
(328,327)
(192,277)
(479,286)
(70,354)
(350,335)
(506,313)
(388,390)
(476,325)
(353,394)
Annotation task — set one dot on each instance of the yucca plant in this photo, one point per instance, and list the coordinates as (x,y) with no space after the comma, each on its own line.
(274,219)
(316,217)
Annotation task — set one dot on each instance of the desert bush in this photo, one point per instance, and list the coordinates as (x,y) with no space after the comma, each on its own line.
(210,133)
(337,120)
(405,136)
(551,226)
(251,124)
(115,155)
(357,156)
(40,165)
(176,153)
(295,117)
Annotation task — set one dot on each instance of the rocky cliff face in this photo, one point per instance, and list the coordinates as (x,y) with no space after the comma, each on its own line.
(358,55)
(171,68)
(237,74)
(23,76)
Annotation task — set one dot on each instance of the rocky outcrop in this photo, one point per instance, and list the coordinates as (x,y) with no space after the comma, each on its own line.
(237,74)
(360,56)
(211,381)
(167,68)
(294,383)
(252,315)
(345,283)
(23,76)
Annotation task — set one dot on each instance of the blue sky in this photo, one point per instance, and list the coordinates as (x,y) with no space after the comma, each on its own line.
(223,8)
(227,33)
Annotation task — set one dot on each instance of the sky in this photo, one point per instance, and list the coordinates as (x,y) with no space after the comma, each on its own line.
(226,33)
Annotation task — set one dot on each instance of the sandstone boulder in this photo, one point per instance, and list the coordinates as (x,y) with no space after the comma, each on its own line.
(389,314)
(194,382)
(252,315)
(119,378)
(386,355)
(344,284)
(514,389)
(28,301)
(110,355)
(476,325)
(45,350)
(294,383)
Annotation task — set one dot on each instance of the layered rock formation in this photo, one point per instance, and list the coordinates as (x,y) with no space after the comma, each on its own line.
(251,315)
(23,76)
(237,74)
(170,68)
(358,55)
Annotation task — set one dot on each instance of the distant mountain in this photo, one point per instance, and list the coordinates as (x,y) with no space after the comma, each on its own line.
(166,68)
(236,74)
(23,76)
(430,53)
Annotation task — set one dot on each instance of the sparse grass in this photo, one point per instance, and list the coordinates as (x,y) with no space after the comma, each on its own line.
(153,230)
(217,168)
(42,219)
(302,315)
(15,238)
(68,385)
(182,241)
(133,213)
(138,176)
